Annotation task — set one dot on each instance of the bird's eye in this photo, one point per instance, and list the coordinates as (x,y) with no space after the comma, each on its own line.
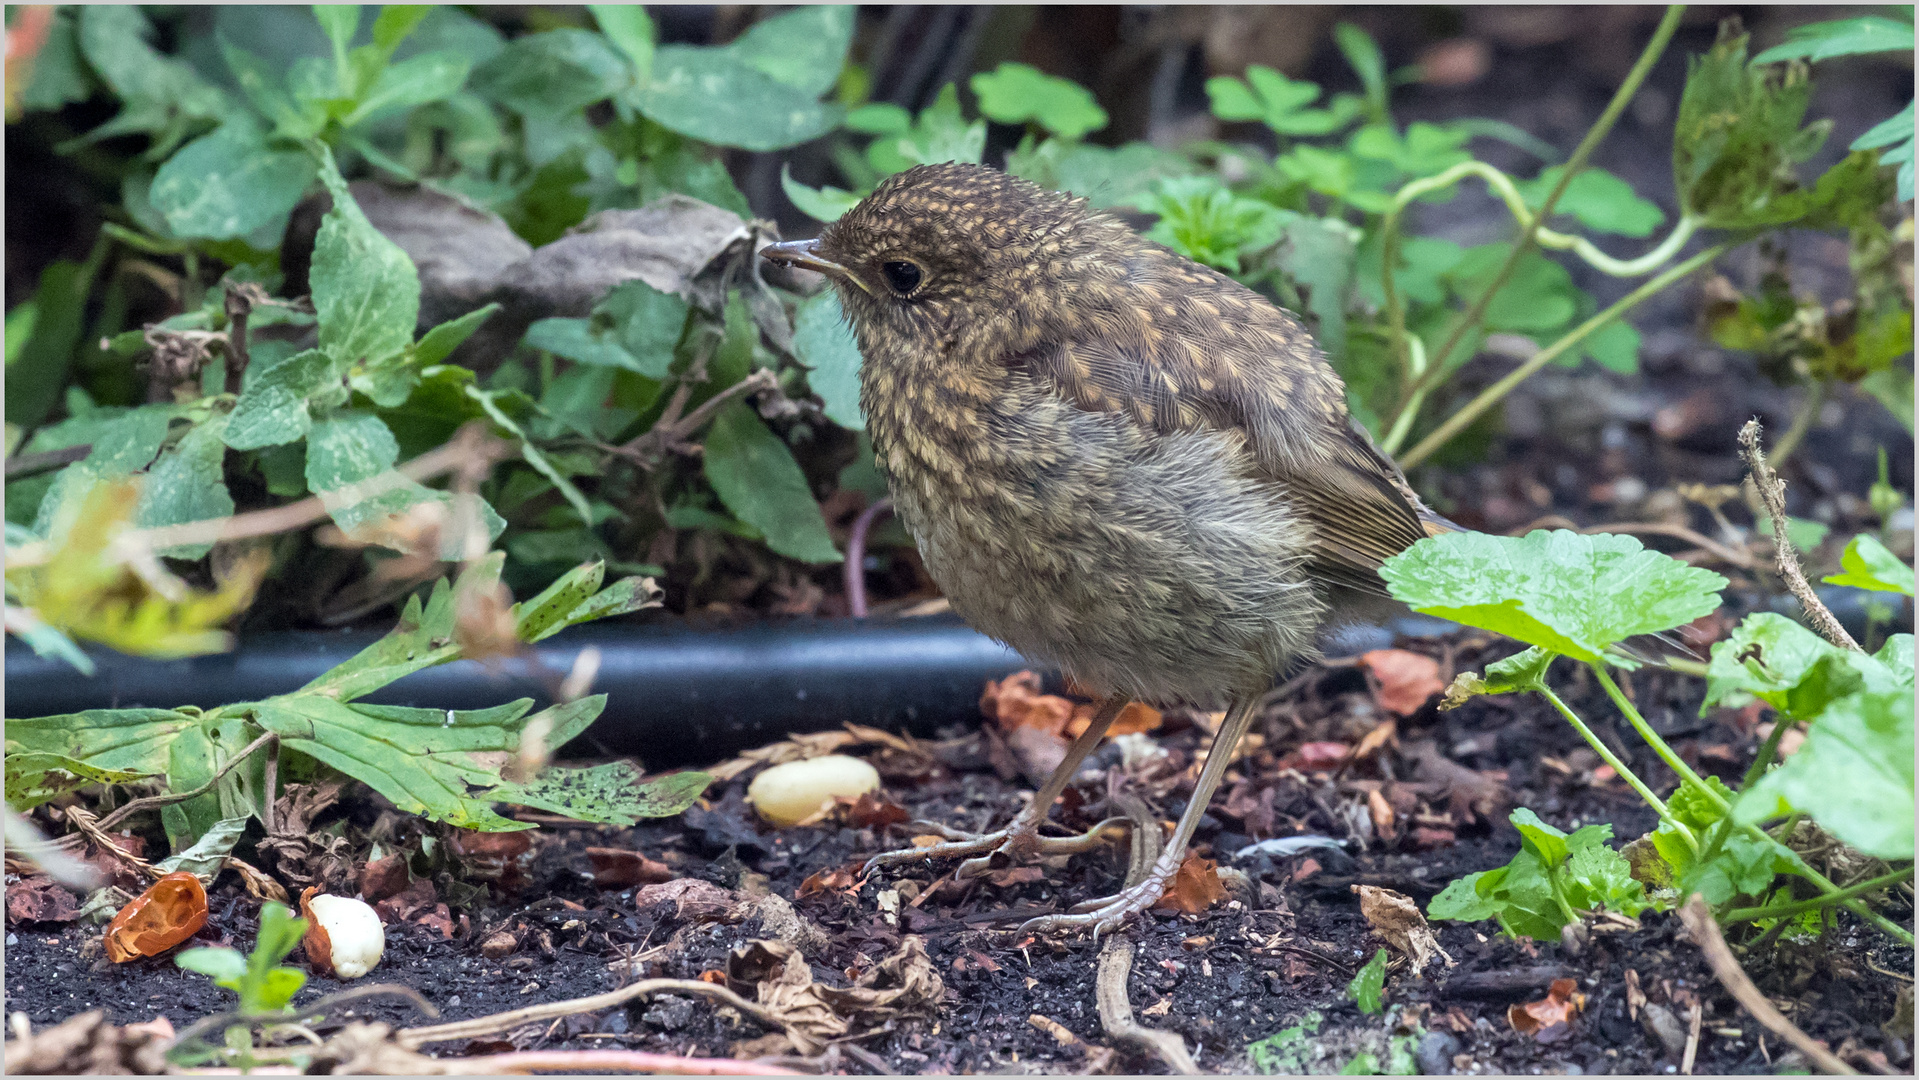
(903,276)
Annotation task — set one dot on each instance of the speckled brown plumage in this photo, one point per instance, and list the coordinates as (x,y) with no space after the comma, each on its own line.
(1114,459)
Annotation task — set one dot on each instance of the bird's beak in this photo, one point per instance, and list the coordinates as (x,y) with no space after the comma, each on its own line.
(805,254)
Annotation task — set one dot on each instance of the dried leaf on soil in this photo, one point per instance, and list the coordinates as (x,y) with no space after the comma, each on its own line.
(1194,888)
(778,976)
(1134,719)
(1396,918)
(618,868)
(1406,680)
(168,913)
(503,857)
(40,899)
(1316,757)
(383,877)
(1562,1003)
(840,879)
(873,810)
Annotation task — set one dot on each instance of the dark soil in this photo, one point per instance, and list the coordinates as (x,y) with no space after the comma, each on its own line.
(1283,948)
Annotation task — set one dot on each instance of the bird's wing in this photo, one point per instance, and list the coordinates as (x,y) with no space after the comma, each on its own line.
(1191,350)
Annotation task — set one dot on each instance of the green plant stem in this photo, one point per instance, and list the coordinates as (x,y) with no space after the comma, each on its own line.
(1781,910)
(1625,772)
(1767,750)
(1802,423)
(1685,772)
(1490,396)
(1648,56)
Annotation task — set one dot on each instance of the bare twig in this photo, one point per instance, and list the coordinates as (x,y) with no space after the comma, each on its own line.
(469,444)
(1773,491)
(856,556)
(154,802)
(1116,959)
(85,822)
(507,1021)
(31,464)
(1705,933)
(670,434)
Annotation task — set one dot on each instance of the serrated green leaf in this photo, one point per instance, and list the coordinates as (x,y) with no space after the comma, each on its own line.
(417,80)
(1545,842)
(111,740)
(620,598)
(438,343)
(756,477)
(366,291)
(716,97)
(1897,656)
(1567,592)
(1854,775)
(545,75)
(159,95)
(1463,901)
(1769,656)
(803,48)
(940,133)
(230,183)
(1368,988)
(823,341)
(187,484)
(421,639)
(1742,867)
(546,613)
(1016,93)
(34,778)
(1867,564)
(272,410)
(425,761)
(1737,139)
(610,794)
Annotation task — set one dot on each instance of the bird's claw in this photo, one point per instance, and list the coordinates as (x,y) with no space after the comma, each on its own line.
(996,850)
(1103,915)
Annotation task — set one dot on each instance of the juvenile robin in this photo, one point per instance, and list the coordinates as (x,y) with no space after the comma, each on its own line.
(1115,460)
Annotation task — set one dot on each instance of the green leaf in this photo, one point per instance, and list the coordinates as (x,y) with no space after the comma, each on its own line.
(1600,200)
(756,477)
(1545,842)
(209,853)
(940,134)
(1463,901)
(629,27)
(1614,347)
(425,761)
(37,363)
(1016,93)
(1570,593)
(1769,656)
(649,324)
(1424,150)
(340,22)
(583,342)
(230,183)
(395,22)
(222,963)
(280,984)
(272,409)
(1854,775)
(824,204)
(1320,254)
(59,78)
(1367,62)
(541,76)
(1893,137)
(1743,867)
(823,341)
(50,643)
(1897,656)
(420,640)
(132,741)
(1841,37)
(417,80)
(347,448)
(1202,219)
(1278,102)
(438,343)
(34,778)
(366,292)
(1868,565)
(1106,176)
(610,794)
(188,483)
(715,97)
(1368,988)
(1539,297)
(545,615)
(1596,876)
(1737,139)
(532,454)
(159,95)
(803,48)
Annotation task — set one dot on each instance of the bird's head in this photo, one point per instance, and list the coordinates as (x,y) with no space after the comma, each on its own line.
(955,257)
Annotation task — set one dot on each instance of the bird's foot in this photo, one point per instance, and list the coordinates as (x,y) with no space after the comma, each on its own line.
(1106,914)
(1018,843)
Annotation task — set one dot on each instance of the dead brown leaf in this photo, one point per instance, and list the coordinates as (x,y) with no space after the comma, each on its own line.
(1562,1003)
(1194,888)
(39,898)
(1396,918)
(1016,702)
(691,897)
(839,879)
(1316,757)
(1405,681)
(873,810)
(1134,719)
(778,976)
(619,868)
(502,857)
(383,877)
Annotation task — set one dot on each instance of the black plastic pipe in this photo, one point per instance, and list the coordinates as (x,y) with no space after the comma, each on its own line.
(676,693)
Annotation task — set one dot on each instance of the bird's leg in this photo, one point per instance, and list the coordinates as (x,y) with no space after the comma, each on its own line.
(1021,839)
(1111,912)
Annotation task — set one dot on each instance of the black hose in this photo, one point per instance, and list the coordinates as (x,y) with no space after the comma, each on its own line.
(676,694)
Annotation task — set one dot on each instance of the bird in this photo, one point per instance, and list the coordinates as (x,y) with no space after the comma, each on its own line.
(1117,461)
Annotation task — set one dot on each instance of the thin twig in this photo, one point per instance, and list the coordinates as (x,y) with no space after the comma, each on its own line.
(154,802)
(507,1021)
(1773,491)
(1116,959)
(1705,933)
(620,1061)
(856,556)
(31,464)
